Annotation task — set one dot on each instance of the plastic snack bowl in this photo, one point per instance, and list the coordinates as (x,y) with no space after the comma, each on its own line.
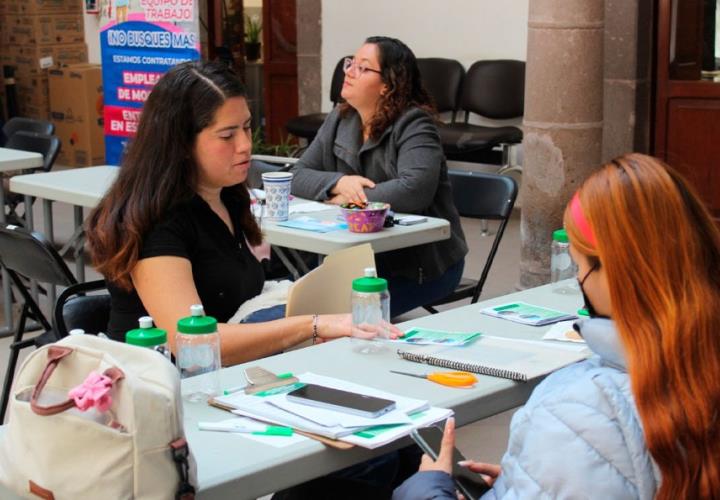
(366,220)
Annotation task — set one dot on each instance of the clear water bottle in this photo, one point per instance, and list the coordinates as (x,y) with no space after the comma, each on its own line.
(147,336)
(370,312)
(562,266)
(198,353)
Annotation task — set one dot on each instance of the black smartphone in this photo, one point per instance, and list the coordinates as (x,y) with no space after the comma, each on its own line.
(469,483)
(338,400)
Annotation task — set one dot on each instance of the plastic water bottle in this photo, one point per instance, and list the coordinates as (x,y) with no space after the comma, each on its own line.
(198,353)
(562,266)
(147,336)
(370,312)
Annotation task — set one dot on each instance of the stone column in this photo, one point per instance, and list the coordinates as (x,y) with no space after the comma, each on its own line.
(309,40)
(628,57)
(563,120)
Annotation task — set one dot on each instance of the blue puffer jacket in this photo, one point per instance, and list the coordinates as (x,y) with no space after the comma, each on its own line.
(578,436)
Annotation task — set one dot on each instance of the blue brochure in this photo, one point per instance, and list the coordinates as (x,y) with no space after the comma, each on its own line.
(311,224)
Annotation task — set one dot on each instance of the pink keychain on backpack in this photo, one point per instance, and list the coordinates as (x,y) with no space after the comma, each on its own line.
(93,392)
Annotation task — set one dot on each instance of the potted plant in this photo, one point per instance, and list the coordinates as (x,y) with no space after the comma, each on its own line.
(253,28)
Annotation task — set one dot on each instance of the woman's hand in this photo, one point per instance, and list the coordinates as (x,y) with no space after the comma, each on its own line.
(352,188)
(333,326)
(338,199)
(444,459)
(489,472)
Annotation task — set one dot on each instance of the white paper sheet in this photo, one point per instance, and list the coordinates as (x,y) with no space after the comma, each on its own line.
(563,331)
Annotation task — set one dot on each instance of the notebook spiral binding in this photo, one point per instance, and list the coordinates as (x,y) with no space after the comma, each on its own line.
(462,366)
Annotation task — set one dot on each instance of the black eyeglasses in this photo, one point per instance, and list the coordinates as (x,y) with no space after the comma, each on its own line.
(349,64)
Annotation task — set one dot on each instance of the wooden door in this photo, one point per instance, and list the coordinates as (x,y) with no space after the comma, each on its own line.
(279,67)
(687,106)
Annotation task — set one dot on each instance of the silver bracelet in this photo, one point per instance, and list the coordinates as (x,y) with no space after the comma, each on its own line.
(314,328)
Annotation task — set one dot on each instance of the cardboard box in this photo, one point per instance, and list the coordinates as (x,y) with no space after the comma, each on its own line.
(76,104)
(29,110)
(33,90)
(43,6)
(44,29)
(36,59)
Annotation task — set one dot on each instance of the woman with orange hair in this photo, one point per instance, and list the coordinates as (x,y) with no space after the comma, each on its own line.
(641,418)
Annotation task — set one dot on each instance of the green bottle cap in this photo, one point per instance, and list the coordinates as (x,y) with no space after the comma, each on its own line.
(560,235)
(369,285)
(583,312)
(146,335)
(197,323)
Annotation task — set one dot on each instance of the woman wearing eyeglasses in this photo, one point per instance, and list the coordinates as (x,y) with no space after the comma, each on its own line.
(382,144)
(641,418)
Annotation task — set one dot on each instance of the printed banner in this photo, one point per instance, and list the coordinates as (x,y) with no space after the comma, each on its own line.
(140,40)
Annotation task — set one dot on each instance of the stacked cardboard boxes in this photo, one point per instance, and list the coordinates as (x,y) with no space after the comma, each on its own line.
(76,104)
(35,36)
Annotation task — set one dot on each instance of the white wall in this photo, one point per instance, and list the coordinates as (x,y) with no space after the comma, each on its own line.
(466,30)
(92,37)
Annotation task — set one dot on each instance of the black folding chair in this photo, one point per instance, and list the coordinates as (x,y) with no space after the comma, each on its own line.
(33,125)
(48,146)
(29,256)
(76,308)
(480,196)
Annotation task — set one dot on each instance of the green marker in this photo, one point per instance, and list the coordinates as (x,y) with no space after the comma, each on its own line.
(275,430)
(241,427)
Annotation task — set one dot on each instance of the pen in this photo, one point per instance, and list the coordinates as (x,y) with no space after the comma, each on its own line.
(270,430)
(234,389)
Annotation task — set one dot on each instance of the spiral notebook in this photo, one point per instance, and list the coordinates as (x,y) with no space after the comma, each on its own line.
(514,359)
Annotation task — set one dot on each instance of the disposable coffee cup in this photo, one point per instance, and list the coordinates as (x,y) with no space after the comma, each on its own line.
(277,195)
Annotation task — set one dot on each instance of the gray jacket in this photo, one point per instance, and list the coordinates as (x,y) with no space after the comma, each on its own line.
(409,170)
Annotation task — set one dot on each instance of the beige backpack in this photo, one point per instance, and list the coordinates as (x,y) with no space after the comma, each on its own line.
(134,449)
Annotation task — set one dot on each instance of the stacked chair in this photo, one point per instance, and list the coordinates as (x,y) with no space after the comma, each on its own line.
(28,134)
(493,90)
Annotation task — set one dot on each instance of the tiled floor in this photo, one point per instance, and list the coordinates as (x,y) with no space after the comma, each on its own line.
(484,440)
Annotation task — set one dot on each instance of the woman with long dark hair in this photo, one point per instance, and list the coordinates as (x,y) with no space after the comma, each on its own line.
(175,229)
(382,144)
(641,418)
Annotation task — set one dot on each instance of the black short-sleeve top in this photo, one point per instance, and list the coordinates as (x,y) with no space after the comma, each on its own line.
(225,272)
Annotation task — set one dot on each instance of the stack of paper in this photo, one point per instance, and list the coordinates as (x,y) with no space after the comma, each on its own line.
(273,407)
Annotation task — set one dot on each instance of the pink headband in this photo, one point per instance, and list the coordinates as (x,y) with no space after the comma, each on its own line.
(581,221)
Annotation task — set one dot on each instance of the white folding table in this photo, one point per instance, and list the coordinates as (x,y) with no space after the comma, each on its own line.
(231,466)
(84,187)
